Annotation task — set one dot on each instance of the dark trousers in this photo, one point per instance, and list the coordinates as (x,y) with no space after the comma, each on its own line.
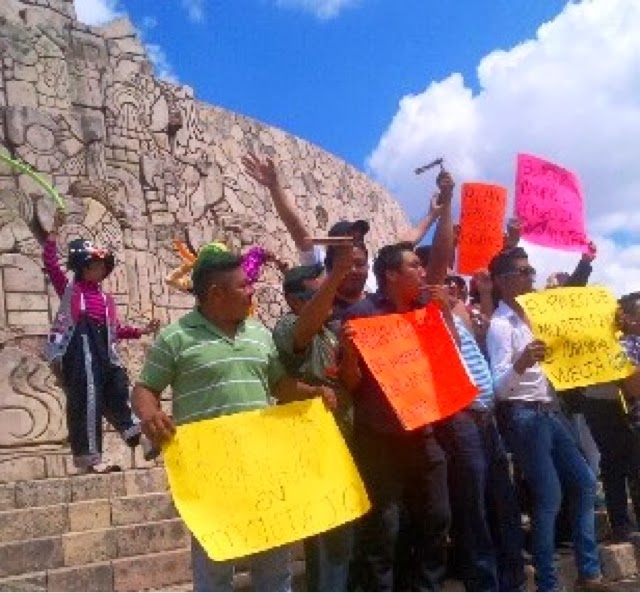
(327,559)
(619,450)
(95,388)
(404,473)
(486,525)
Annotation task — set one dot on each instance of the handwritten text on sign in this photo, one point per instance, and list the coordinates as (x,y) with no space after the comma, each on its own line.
(481,222)
(249,482)
(416,363)
(578,327)
(549,204)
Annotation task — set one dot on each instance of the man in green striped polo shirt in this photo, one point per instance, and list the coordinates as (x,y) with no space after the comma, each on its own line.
(218,361)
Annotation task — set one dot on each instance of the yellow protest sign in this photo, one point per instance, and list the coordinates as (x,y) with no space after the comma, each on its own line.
(578,327)
(249,482)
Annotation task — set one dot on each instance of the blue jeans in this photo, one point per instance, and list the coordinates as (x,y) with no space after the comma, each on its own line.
(327,559)
(551,463)
(270,570)
(486,526)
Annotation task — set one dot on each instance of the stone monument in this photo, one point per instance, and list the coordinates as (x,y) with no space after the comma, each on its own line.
(140,162)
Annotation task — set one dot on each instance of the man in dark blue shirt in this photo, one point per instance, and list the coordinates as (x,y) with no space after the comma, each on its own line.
(404,471)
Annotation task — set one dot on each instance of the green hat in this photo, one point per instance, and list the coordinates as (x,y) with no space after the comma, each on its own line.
(294,278)
(212,255)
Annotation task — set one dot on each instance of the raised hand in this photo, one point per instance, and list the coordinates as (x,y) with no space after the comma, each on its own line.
(512,236)
(591,253)
(435,207)
(343,260)
(445,185)
(59,218)
(264,172)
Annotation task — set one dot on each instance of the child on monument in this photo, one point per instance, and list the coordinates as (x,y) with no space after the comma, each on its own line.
(81,346)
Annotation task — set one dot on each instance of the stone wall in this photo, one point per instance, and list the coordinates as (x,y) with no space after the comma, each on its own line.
(140,162)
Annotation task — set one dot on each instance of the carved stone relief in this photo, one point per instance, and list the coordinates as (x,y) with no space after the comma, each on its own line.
(140,162)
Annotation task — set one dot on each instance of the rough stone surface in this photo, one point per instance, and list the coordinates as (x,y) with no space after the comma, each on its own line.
(92,577)
(97,486)
(142,509)
(140,162)
(34,555)
(89,514)
(27,582)
(152,571)
(89,546)
(619,561)
(145,482)
(42,493)
(17,525)
(154,537)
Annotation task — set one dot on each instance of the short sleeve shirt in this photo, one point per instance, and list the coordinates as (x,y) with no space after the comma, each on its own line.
(317,365)
(212,374)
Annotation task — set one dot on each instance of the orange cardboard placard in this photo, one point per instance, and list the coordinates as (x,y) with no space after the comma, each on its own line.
(416,363)
(481,225)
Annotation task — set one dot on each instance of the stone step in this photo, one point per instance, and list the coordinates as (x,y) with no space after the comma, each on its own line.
(619,563)
(142,508)
(86,515)
(90,577)
(35,555)
(152,571)
(35,581)
(120,542)
(51,491)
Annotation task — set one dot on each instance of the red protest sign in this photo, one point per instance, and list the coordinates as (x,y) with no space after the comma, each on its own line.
(549,204)
(416,363)
(481,222)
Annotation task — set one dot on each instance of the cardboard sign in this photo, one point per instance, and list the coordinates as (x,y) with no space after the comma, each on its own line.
(253,481)
(416,363)
(578,327)
(481,225)
(549,204)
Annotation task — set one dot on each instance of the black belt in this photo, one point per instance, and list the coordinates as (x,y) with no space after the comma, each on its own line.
(537,406)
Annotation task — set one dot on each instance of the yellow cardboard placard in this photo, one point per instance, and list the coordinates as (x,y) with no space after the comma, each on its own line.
(252,481)
(578,327)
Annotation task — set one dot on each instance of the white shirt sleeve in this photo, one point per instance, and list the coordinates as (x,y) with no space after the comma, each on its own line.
(501,357)
(312,256)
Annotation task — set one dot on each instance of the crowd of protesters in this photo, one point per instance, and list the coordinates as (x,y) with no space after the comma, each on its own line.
(447,498)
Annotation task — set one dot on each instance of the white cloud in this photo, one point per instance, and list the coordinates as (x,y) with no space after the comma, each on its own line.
(323,9)
(162,66)
(195,10)
(99,12)
(570,94)
(96,12)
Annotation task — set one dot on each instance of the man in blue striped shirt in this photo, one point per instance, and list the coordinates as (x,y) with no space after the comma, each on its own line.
(480,486)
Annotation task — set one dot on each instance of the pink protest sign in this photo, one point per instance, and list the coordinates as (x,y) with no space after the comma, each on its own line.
(549,204)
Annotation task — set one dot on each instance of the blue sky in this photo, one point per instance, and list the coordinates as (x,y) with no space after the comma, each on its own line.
(334,81)
(390,84)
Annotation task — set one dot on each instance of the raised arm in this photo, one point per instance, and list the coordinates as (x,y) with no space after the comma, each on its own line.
(415,234)
(443,241)
(266,174)
(50,256)
(315,313)
(580,276)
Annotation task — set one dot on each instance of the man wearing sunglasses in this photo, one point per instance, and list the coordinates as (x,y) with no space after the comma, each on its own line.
(537,432)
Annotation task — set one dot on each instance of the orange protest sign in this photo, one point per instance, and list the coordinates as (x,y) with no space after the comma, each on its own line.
(416,363)
(481,220)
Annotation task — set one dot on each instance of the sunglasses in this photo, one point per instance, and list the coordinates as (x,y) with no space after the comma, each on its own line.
(527,271)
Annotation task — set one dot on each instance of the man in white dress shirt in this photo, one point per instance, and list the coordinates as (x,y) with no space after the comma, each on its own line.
(536,431)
